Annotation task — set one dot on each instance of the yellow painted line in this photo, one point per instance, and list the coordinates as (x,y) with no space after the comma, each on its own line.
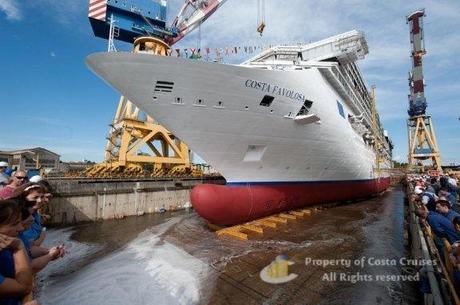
(287,216)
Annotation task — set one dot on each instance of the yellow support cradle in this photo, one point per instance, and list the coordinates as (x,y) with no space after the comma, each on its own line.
(242,231)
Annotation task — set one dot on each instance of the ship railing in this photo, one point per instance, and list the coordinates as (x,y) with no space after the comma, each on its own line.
(355,69)
(351,91)
(355,76)
(333,74)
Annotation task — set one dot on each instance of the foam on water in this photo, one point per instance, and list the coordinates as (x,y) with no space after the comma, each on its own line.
(75,252)
(149,270)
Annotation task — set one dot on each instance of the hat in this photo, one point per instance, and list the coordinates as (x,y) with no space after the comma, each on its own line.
(418,190)
(443,199)
(8,171)
(36,178)
(3,164)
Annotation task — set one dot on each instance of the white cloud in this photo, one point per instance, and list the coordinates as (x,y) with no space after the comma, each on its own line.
(10,8)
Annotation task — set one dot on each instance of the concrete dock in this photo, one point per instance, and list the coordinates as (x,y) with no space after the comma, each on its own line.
(81,200)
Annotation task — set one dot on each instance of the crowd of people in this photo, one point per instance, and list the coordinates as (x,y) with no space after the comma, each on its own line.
(22,233)
(436,199)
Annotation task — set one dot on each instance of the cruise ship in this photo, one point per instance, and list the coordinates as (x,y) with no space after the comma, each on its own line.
(291,127)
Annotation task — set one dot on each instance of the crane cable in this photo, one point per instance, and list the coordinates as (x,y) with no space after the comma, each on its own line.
(260,16)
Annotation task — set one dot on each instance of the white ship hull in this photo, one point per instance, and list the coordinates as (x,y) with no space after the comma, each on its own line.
(216,110)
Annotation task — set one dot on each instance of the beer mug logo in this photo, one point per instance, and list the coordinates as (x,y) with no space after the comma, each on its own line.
(278,271)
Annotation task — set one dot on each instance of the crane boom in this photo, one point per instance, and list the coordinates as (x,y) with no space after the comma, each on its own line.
(192,14)
(135,18)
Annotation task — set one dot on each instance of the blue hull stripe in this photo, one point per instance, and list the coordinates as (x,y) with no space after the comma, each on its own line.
(300,182)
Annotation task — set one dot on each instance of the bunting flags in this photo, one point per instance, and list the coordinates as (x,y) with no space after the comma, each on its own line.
(195,53)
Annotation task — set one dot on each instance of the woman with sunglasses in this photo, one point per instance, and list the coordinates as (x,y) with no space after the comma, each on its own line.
(17,179)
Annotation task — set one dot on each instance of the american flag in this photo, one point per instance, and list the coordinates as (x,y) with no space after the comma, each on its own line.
(97,9)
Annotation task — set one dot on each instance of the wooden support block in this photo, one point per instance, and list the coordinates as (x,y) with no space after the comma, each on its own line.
(277,219)
(253,228)
(214,227)
(287,216)
(266,223)
(233,234)
(297,213)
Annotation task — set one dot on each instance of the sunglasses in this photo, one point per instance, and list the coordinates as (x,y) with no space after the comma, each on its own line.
(21,178)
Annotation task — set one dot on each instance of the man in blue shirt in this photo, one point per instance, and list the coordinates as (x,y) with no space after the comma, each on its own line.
(440,225)
(443,208)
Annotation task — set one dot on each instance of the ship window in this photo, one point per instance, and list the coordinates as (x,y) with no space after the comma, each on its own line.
(267,101)
(341,111)
(305,107)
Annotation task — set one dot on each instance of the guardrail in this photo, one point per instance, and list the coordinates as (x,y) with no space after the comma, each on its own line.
(440,275)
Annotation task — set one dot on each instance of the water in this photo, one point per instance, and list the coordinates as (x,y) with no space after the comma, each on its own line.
(175,259)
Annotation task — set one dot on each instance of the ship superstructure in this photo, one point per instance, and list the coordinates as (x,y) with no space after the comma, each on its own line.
(335,58)
(293,126)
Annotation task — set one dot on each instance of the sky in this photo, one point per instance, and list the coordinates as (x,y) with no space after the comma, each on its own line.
(49,98)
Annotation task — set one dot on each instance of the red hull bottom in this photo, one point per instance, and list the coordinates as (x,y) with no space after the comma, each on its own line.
(237,203)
